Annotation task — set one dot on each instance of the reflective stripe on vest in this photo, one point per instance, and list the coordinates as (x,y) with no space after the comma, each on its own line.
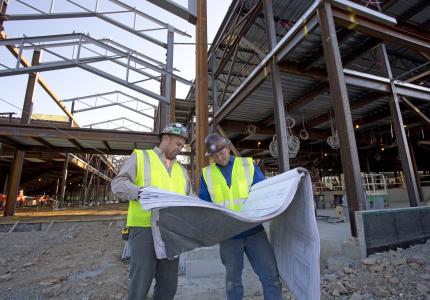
(151,171)
(235,196)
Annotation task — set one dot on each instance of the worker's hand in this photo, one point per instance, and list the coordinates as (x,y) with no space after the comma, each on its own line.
(142,190)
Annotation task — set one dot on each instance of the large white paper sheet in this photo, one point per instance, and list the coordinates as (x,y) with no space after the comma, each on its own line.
(182,223)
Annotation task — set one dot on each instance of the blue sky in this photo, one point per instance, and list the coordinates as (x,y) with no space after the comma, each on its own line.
(74,82)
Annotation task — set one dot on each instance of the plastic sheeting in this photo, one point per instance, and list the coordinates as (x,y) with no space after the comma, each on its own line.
(182,223)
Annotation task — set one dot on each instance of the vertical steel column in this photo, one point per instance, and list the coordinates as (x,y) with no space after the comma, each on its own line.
(57,188)
(105,190)
(215,103)
(3,7)
(18,160)
(84,188)
(348,147)
(97,180)
(415,168)
(172,108)
(72,111)
(402,141)
(201,87)
(6,181)
(64,180)
(278,101)
(167,82)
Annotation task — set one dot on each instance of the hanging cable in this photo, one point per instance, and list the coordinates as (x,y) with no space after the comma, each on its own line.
(304,135)
(333,140)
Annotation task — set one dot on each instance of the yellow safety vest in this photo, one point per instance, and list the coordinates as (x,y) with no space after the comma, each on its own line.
(150,170)
(232,197)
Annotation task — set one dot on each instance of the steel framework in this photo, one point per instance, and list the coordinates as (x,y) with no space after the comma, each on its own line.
(313,51)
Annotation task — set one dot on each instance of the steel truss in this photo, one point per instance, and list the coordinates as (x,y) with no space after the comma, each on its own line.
(104,52)
(125,124)
(86,12)
(87,52)
(106,102)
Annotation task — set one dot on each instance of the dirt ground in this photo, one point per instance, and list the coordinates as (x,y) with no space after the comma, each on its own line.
(81,260)
(73,260)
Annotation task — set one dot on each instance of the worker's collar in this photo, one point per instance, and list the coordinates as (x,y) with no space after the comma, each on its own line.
(160,154)
(231,161)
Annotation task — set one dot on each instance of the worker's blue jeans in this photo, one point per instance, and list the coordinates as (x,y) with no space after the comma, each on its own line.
(260,255)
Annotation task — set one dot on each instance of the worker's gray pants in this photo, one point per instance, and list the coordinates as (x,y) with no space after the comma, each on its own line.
(144,266)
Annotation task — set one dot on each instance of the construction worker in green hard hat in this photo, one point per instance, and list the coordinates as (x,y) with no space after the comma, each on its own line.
(159,168)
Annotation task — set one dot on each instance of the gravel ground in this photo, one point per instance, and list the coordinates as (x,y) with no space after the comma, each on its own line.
(81,261)
(401,274)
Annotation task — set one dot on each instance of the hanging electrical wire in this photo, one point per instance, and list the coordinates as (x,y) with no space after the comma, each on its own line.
(273,147)
(304,135)
(333,140)
(250,129)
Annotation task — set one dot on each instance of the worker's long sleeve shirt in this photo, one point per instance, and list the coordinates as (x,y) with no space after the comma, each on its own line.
(123,185)
(226,172)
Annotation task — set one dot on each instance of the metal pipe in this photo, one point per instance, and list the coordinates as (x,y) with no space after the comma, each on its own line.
(348,146)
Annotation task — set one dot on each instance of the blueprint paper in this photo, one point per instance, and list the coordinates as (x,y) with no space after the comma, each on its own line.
(182,223)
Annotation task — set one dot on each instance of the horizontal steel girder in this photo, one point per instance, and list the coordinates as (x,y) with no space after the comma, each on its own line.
(11,134)
(382,84)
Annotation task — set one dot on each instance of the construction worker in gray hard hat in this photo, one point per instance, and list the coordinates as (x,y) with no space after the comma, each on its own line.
(156,167)
(226,182)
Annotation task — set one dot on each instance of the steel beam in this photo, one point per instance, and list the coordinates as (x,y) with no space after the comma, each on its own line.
(416,110)
(251,16)
(201,88)
(43,84)
(86,166)
(301,29)
(348,147)
(215,100)
(64,180)
(278,98)
(177,10)
(402,140)
(13,184)
(3,8)
(114,104)
(20,154)
(167,82)
(383,84)
(172,108)
(16,130)
(385,32)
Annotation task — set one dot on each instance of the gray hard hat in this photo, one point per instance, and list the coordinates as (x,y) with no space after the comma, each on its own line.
(214,143)
(176,129)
